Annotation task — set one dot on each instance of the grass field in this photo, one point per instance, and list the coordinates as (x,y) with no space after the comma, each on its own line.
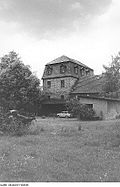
(57,151)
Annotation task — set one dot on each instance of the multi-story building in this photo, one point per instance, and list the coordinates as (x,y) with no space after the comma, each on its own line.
(61,75)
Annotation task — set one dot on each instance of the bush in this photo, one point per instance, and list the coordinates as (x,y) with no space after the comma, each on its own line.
(3,117)
(86,113)
(17,127)
(12,125)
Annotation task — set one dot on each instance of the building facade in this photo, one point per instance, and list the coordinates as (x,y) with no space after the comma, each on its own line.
(61,75)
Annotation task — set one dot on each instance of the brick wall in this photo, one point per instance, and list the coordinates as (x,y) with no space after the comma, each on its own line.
(56,91)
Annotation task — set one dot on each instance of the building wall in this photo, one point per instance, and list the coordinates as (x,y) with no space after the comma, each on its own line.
(113,108)
(55,90)
(109,108)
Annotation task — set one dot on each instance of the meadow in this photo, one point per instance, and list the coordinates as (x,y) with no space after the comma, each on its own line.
(56,150)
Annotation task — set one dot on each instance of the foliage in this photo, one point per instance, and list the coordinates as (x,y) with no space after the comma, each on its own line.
(82,111)
(3,116)
(73,106)
(20,88)
(86,113)
(12,124)
(112,75)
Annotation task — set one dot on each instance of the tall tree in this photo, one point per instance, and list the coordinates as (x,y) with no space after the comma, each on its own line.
(19,87)
(112,75)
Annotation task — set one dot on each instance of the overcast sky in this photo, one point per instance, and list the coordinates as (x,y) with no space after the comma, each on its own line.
(42,30)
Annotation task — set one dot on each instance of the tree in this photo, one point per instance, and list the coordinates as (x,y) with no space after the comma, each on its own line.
(112,75)
(19,87)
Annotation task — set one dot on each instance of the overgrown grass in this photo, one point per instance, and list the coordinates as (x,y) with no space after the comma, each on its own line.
(56,150)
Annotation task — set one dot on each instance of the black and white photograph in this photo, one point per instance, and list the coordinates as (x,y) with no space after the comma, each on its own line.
(59,91)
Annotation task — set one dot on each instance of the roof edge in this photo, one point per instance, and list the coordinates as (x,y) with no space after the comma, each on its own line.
(68,60)
(100,98)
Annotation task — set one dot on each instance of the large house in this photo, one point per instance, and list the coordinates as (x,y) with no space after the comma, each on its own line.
(64,77)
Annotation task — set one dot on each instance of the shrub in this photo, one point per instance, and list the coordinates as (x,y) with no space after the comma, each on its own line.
(3,117)
(86,113)
(12,125)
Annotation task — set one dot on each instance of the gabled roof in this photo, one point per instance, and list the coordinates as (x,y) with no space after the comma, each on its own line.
(88,85)
(67,59)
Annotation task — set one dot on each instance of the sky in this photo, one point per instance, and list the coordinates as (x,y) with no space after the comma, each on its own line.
(42,30)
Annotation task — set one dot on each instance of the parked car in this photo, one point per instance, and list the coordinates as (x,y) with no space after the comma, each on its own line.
(64,114)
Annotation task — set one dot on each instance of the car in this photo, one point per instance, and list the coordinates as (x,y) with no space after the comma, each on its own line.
(64,114)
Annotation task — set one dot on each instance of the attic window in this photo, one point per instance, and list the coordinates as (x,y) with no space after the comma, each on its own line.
(87,72)
(82,71)
(49,70)
(76,69)
(63,68)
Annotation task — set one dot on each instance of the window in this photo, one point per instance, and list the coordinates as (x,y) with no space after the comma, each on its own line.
(49,70)
(62,97)
(49,84)
(62,83)
(76,69)
(87,72)
(63,69)
(78,97)
(89,106)
(82,72)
